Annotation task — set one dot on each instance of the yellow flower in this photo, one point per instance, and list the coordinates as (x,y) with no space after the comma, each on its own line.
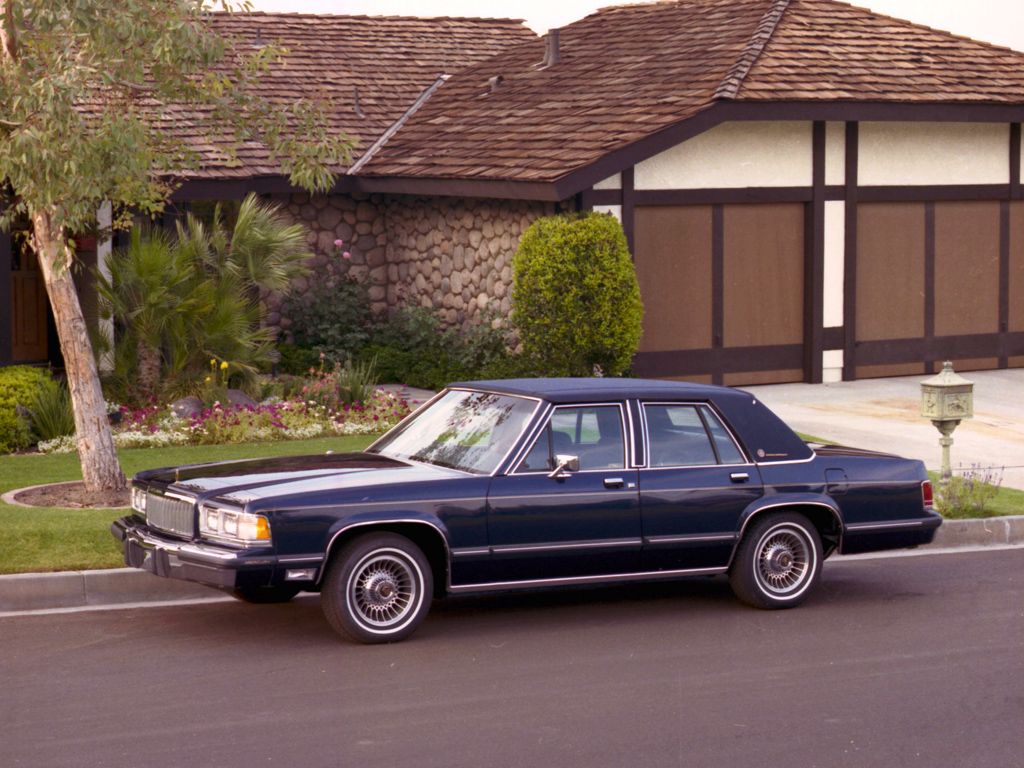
(224,365)
(208,379)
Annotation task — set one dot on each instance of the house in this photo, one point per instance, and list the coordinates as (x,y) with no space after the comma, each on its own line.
(811,191)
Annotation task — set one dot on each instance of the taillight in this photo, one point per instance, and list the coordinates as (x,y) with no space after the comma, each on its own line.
(927,494)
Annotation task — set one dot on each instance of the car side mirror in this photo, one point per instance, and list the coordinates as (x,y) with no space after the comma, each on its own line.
(564,464)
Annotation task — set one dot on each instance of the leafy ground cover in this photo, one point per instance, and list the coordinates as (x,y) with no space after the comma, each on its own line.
(33,540)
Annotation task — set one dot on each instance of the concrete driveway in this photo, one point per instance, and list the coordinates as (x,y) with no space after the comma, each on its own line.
(882,414)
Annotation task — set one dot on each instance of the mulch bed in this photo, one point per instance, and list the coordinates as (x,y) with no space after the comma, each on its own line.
(72,496)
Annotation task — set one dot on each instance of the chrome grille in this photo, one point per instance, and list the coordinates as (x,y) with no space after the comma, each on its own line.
(170,514)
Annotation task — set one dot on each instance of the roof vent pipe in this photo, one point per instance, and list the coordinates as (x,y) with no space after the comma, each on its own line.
(495,81)
(552,54)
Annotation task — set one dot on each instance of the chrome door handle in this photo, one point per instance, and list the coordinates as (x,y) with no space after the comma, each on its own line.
(614,482)
(739,477)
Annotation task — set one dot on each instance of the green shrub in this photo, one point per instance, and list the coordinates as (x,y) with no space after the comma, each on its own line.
(50,409)
(18,385)
(969,494)
(414,347)
(576,300)
(332,318)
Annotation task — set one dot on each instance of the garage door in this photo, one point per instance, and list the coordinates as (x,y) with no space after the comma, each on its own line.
(723,292)
(936,281)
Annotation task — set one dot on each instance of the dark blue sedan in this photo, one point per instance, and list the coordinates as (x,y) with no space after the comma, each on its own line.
(497,485)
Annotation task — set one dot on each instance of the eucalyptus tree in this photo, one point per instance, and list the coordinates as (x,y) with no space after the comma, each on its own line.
(91,92)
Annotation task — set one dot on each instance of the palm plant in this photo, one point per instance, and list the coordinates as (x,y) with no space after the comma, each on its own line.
(181,301)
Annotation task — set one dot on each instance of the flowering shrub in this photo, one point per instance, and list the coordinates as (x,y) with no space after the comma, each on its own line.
(292,419)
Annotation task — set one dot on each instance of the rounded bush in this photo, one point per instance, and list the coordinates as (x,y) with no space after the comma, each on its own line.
(576,300)
(18,385)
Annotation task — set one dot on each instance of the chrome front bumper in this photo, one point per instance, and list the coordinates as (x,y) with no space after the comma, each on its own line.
(191,561)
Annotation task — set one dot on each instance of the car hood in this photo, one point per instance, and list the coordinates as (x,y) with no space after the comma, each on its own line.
(248,480)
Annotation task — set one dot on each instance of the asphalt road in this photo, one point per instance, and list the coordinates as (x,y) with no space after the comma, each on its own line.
(915,661)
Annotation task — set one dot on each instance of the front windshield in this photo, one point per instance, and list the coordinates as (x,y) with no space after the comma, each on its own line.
(469,431)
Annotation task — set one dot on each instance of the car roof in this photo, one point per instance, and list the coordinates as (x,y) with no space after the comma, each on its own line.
(567,390)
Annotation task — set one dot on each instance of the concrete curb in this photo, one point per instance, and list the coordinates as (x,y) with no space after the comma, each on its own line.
(78,589)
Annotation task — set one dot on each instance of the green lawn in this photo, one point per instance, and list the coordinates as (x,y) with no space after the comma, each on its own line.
(33,540)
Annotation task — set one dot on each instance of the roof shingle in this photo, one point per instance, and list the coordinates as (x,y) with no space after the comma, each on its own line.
(628,72)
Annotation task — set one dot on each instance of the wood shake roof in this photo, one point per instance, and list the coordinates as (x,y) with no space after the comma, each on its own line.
(628,73)
(383,62)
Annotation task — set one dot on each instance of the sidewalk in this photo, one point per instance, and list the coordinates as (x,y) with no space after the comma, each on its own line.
(882,414)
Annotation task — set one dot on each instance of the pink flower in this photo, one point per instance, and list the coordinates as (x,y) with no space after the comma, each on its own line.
(338,243)
(346,255)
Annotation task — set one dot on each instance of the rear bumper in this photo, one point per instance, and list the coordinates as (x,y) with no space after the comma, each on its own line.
(193,561)
(894,534)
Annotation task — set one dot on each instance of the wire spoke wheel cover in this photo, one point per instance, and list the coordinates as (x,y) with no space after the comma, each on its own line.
(777,562)
(784,558)
(383,589)
(377,589)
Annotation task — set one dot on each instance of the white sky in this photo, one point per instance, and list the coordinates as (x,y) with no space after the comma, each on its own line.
(996,21)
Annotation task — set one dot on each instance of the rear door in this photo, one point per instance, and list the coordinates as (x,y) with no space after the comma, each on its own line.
(694,487)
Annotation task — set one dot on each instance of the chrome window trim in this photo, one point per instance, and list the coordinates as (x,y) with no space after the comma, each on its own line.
(633,463)
(699,466)
(696,404)
(627,442)
(531,434)
(634,576)
(813,456)
(497,467)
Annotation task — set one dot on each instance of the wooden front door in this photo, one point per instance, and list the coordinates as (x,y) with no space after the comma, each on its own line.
(28,309)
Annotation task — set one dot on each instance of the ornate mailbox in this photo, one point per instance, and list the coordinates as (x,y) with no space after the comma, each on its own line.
(947,399)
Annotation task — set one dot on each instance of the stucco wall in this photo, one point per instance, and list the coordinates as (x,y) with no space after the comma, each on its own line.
(738,154)
(914,154)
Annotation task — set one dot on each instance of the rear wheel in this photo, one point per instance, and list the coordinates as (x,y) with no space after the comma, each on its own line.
(778,562)
(377,589)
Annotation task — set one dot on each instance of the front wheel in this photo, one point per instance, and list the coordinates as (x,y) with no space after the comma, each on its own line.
(377,589)
(777,562)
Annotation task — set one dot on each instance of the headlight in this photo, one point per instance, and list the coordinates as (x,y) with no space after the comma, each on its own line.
(233,525)
(139,500)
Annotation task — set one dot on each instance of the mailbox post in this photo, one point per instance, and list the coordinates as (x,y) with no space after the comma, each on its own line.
(947,399)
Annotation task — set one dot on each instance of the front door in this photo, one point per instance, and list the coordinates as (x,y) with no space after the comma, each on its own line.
(578,523)
(28,308)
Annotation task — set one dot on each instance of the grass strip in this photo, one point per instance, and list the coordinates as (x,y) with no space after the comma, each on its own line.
(36,539)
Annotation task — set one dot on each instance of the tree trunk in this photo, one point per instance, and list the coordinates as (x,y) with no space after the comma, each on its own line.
(96,452)
(150,367)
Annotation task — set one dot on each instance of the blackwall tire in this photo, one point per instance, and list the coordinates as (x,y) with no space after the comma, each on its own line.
(377,589)
(265,595)
(778,562)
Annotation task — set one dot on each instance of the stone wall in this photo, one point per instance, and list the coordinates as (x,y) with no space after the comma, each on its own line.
(455,254)
(452,254)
